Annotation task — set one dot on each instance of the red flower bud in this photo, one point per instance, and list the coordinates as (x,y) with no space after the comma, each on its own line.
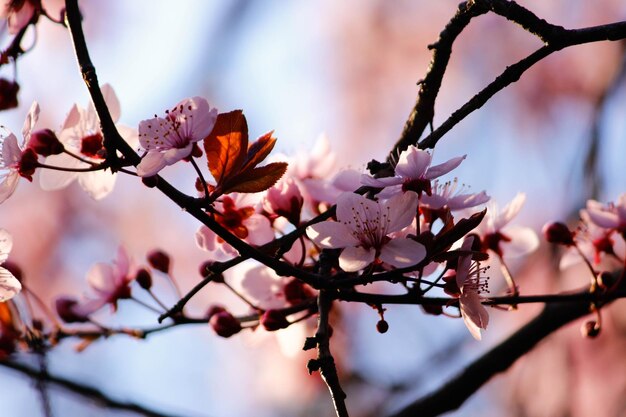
(558,233)
(8,94)
(382,326)
(297,292)
(213,310)
(144,279)
(45,143)
(225,324)
(28,163)
(274,320)
(65,310)
(159,260)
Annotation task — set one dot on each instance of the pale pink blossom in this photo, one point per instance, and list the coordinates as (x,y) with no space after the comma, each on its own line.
(471,285)
(240,215)
(329,190)
(504,239)
(284,199)
(610,216)
(81,135)
(17,13)
(9,285)
(362,230)
(171,138)
(110,283)
(449,195)
(412,172)
(11,159)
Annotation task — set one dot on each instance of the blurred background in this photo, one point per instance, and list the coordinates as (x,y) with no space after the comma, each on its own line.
(347,69)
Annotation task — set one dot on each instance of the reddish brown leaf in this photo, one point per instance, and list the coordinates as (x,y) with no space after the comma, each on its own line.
(257,179)
(227,145)
(259,150)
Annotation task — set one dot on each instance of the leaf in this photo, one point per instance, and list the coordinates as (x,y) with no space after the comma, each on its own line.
(259,150)
(227,145)
(257,179)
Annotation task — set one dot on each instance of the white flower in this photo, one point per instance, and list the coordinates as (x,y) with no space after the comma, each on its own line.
(363,227)
(469,281)
(170,139)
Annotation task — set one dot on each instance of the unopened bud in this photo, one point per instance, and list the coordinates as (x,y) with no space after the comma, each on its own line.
(225,324)
(65,310)
(213,310)
(274,320)
(590,329)
(144,279)
(159,260)
(45,143)
(8,94)
(558,233)
(296,292)
(28,163)
(382,326)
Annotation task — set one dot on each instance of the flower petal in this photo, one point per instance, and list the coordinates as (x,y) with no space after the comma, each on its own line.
(206,239)
(509,211)
(380,182)
(50,179)
(524,240)
(331,235)
(353,207)
(9,285)
(474,313)
(29,123)
(413,163)
(8,185)
(151,164)
(356,258)
(442,169)
(402,252)
(401,210)
(98,184)
(101,278)
(259,229)
(111,100)
(6,244)
(11,152)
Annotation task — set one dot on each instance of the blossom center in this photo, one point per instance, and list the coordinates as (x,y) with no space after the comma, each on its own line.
(232,218)
(91,146)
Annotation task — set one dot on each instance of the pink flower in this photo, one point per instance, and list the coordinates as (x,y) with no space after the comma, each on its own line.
(515,240)
(469,281)
(82,136)
(239,214)
(170,139)
(110,282)
(284,199)
(413,172)
(447,195)
(9,285)
(611,216)
(17,13)
(363,227)
(16,159)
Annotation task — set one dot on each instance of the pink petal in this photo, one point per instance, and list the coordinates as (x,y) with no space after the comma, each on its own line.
(98,184)
(262,286)
(113,103)
(347,180)
(206,239)
(356,258)
(352,207)
(88,307)
(464,262)
(9,285)
(151,133)
(151,164)
(6,244)
(200,117)
(331,235)
(20,18)
(463,201)
(171,156)
(603,218)
(101,278)
(401,210)
(29,123)
(72,118)
(50,179)
(8,185)
(11,152)
(413,163)
(259,229)
(380,182)
(474,313)
(442,169)
(402,252)
(523,241)
(509,211)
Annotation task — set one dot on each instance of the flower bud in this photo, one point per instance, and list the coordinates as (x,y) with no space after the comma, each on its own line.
(296,292)
(65,310)
(225,324)
(45,143)
(213,310)
(274,320)
(558,233)
(382,326)
(590,329)
(8,94)
(144,279)
(28,163)
(206,269)
(159,260)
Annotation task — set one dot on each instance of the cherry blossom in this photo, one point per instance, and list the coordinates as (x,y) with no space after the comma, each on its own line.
(16,159)
(82,136)
(498,236)
(471,285)
(17,13)
(412,172)
(9,285)
(239,214)
(110,282)
(611,216)
(449,195)
(170,139)
(362,230)
(284,199)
